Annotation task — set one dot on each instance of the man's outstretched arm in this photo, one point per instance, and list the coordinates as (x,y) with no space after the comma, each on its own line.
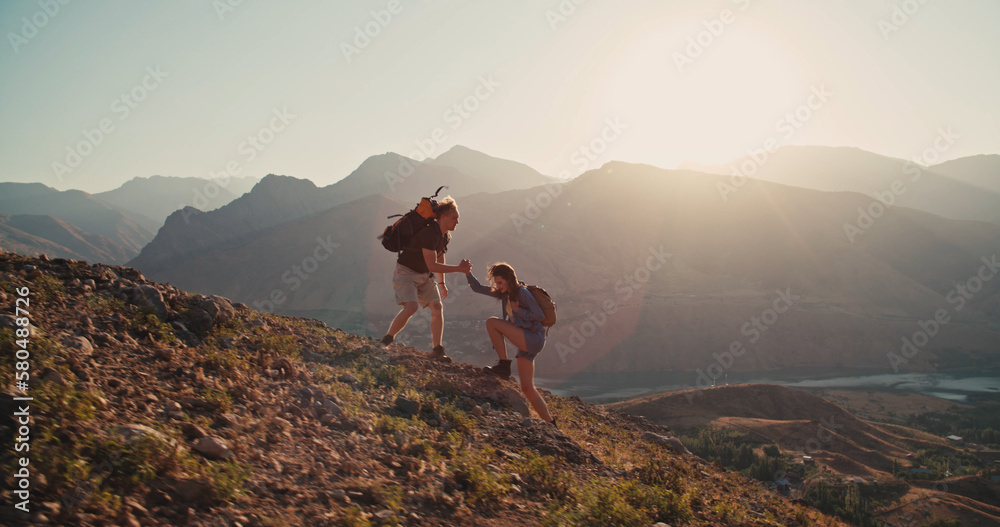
(431,259)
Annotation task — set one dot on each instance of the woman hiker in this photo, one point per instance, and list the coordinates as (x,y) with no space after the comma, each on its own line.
(521,325)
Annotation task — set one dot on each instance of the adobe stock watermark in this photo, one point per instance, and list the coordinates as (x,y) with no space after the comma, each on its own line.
(370,30)
(943,142)
(959,296)
(714,28)
(30,26)
(581,158)
(787,125)
(456,115)
(122,106)
(249,149)
(298,273)
(626,287)
(562,13)
(754,330)
(899,16)
(224,7)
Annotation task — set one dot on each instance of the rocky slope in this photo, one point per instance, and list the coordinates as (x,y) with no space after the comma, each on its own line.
(152,406)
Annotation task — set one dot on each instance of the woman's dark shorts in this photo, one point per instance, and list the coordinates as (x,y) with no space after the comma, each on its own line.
(534,341)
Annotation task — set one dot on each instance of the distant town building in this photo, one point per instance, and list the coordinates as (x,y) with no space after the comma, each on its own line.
(955,440)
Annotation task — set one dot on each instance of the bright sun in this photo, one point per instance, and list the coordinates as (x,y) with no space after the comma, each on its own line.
(719,103)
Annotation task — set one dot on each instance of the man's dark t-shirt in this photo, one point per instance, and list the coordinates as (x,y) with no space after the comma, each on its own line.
(430,237)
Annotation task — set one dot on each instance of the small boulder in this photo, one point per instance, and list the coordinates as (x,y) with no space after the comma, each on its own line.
(136,431)
(201,321)
(407,406)
(219,308)
(332,408)
(149,296)
(193,431)
(213,448)
(226,420)
(512,398)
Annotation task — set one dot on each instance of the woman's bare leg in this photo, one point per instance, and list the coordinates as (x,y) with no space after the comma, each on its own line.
(526,372)
(499,328)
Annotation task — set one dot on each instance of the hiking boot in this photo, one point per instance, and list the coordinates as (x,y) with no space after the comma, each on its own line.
(438,354)
(386,340)
(500,369)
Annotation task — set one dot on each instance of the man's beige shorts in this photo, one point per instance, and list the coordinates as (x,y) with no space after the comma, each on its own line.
(411,286)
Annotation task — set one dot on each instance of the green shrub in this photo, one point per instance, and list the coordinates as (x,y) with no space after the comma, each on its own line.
(227,479)
(543,474)
(474,477)
(602,503)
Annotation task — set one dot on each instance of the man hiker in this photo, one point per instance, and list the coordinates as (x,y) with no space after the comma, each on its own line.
(414,282)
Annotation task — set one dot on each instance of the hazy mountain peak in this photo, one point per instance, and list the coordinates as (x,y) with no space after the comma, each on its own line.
(182,215)
(491,169)
(273,182)
(14,190)
(379,163)
(460,151)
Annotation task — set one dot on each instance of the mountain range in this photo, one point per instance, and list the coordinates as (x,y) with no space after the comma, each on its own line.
(107,227)
(965,189)
(157,197)
(651,268)
(280,199)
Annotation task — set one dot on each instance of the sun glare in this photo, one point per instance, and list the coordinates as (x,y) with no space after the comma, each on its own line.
(714,109)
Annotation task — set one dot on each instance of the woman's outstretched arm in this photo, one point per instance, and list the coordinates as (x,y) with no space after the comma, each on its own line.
(480,288)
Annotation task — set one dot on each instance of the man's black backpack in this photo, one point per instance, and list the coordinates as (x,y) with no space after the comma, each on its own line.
(396,236)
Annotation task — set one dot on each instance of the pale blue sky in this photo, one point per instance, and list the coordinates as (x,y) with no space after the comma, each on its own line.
(554,89)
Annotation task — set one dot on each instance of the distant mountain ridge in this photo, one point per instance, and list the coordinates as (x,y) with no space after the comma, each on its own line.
(82,210)
(157,197)
(273,201)
(982,171)
(504,173)
(33,234)
(897,181)
(278,199)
